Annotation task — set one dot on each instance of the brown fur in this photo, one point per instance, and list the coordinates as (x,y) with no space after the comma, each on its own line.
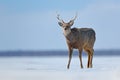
(79,38)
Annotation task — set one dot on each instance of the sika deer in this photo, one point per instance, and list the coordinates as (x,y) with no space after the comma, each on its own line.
(78,38)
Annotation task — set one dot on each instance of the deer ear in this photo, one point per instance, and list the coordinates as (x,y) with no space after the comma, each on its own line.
(71,22)
(60,23)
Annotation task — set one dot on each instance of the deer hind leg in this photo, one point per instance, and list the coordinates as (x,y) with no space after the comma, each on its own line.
(89,57)
(70,57)
(80,57)
(88,65)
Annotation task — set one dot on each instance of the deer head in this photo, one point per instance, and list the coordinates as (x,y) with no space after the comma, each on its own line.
(65,25)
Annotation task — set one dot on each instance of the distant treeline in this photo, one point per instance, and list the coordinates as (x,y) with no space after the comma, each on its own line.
(57,53)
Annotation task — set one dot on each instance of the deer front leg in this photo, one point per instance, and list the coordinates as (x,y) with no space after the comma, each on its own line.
(80,57)
(70,56)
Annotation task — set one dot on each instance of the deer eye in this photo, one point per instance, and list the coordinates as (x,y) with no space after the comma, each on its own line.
(65,28)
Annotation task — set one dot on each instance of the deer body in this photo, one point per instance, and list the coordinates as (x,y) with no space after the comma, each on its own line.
(79,38)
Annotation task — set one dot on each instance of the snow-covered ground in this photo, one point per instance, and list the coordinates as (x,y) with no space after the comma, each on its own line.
(54,68)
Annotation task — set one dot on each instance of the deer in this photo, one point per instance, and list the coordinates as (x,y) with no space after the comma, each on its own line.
(78,38)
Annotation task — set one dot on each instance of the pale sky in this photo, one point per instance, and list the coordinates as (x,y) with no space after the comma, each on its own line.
(32,24)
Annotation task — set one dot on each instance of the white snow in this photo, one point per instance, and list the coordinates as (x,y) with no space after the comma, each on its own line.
(54,68)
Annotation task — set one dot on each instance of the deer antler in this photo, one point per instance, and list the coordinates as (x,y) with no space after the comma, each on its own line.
(59,18)
(74,17)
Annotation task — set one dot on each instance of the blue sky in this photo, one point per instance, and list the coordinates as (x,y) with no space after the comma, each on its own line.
(32,24)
